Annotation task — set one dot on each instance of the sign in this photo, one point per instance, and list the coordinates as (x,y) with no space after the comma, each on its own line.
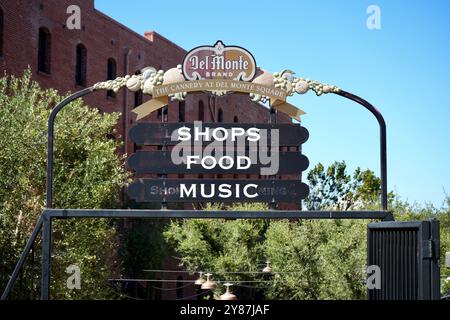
(167,133)
(161,162)
(213,148)
(217,69)
(218,148)
(219,85)
(219,62)
(209,190)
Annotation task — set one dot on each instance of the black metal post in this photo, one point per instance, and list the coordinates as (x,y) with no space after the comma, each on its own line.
(50,137)
(46,256)
(272,120)
(32,273)
(47,224)
(22,258)
(383,148)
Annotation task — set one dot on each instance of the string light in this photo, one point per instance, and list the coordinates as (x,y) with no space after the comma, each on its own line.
(228,295)
(219,272)
(208,285)
(267,269)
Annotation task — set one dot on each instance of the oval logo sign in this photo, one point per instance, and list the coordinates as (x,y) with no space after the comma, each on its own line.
(219,62)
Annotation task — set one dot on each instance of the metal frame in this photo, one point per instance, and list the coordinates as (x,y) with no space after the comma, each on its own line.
(45,220)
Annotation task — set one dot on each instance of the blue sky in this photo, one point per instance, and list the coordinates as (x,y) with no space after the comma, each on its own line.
(403,69)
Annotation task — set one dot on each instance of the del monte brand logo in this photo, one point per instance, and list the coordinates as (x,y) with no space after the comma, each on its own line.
(218,70)
(219,62)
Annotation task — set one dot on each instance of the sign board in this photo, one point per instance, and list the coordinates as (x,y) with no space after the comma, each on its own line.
(218,148)
(161,162)
(163,133)
(210,190)
(234,149)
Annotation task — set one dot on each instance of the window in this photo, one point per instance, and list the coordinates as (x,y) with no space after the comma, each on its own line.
(1,32)
(138,97)
(236,119)
(181,111)
(220,115)
(111,74)
(81,63)
(44,50)
(163,114)
(201,111)
(180,293)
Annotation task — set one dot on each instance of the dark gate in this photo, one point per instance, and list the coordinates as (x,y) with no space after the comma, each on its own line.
(407,254)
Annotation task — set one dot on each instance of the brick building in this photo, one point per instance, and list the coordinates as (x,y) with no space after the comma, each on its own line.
(34,33)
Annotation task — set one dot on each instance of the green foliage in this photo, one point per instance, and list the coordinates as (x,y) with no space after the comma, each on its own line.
(88,174)
(144,247)
(334,188)
(315,259)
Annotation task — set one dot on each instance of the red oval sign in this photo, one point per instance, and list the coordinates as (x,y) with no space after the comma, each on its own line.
(219,62)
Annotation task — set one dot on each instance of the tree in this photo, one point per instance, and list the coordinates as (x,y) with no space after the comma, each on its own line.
(313,259)
(317,259)
(88,174)
(334,188)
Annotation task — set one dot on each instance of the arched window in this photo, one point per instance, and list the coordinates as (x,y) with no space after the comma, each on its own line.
(163,114)
(181,111)
(201,111)
(81,65)
(236,119)
(44,50)
(180,293)
(1,32)
(111,74)
(138,97)
(220,115)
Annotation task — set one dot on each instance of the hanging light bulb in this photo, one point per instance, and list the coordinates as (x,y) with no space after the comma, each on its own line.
(208,284)
(228,295)
(200,280)
(267,268)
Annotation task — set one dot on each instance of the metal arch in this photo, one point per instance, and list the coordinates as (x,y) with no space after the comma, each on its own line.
(45,219)
(50,138)
(383,148)
(342,93)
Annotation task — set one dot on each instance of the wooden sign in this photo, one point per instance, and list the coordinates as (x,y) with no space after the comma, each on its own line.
(168,133)
(161,162)
(208,190)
